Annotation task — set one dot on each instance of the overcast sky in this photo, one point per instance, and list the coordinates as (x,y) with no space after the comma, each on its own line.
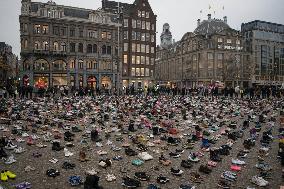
(180,14)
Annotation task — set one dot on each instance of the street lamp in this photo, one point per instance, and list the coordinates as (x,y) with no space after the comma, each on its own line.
(119,13)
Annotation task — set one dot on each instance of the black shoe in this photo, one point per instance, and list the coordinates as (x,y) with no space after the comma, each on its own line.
(67,165)
(142,176)
(162,180)
(68,139)
(130,152)
(69,134)
(177,172)
(131,128)
(156,131)
(131,183)
(173,141)
(95,136)
(56,146)
(205,169)
(186,164)
(174,155)
(76,129)
(52,173)
(92,182)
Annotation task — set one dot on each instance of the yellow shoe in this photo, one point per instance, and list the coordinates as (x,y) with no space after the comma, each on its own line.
(4,176)
(10,174)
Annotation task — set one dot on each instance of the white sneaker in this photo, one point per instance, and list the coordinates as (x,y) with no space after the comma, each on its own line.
(92,172)
(109,143)
(10,160)
(110,178)
(238,162)
(10,146)
(145,156)
(67,153)
(259,181)
(53,160)
(101,152)
(19,150)
(150,144)
(25,135)
(98,144)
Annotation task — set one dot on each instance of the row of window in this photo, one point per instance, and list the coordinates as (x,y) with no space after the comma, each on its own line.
(62,31)
(138,36)
(139,24)
(139,60)
(91,48)
(60,65)
(139,48)
(141,72)
(228,41)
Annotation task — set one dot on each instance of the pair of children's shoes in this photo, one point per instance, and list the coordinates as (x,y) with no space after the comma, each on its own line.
(5,175)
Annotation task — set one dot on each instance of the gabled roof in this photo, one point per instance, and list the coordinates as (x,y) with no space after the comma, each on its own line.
(113,5)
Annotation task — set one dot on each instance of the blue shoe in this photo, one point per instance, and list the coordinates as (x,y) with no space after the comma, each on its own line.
(152,186)
(75,180)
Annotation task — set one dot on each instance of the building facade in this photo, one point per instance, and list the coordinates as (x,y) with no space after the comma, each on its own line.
(8,64)
(265,43)
(212,53)
(68,46)
(139,41)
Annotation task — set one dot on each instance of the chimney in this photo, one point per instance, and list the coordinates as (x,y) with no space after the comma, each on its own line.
(225,19)
(198,22)
(209,16)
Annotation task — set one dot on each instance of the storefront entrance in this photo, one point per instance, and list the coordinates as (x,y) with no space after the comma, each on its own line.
(92,82)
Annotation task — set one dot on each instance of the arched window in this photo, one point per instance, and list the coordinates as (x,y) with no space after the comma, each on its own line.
(80,48)
(104,49)
(26,65)
(55,46)
(37,45)
(63,46)
(59,65)
(41,65)
(89,48)
(95,48)
(45,45)
(81,66)
(72,64)
(108,49)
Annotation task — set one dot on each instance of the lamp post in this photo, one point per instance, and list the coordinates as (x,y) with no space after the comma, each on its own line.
(119,13)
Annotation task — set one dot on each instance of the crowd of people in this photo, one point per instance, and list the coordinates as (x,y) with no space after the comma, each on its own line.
(249,92)
(187,139)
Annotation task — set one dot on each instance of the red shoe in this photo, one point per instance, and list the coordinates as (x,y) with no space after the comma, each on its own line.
(30,141)
(235,168)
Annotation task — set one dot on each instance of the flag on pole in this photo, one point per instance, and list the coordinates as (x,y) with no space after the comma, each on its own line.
(223,7)
(209,7)
(200,11)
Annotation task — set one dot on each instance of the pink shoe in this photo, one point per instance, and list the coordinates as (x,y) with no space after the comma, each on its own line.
(212,163)
(235,168)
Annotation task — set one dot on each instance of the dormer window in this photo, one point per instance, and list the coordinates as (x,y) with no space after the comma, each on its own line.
(220,40)
(139,13)
(229,41)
